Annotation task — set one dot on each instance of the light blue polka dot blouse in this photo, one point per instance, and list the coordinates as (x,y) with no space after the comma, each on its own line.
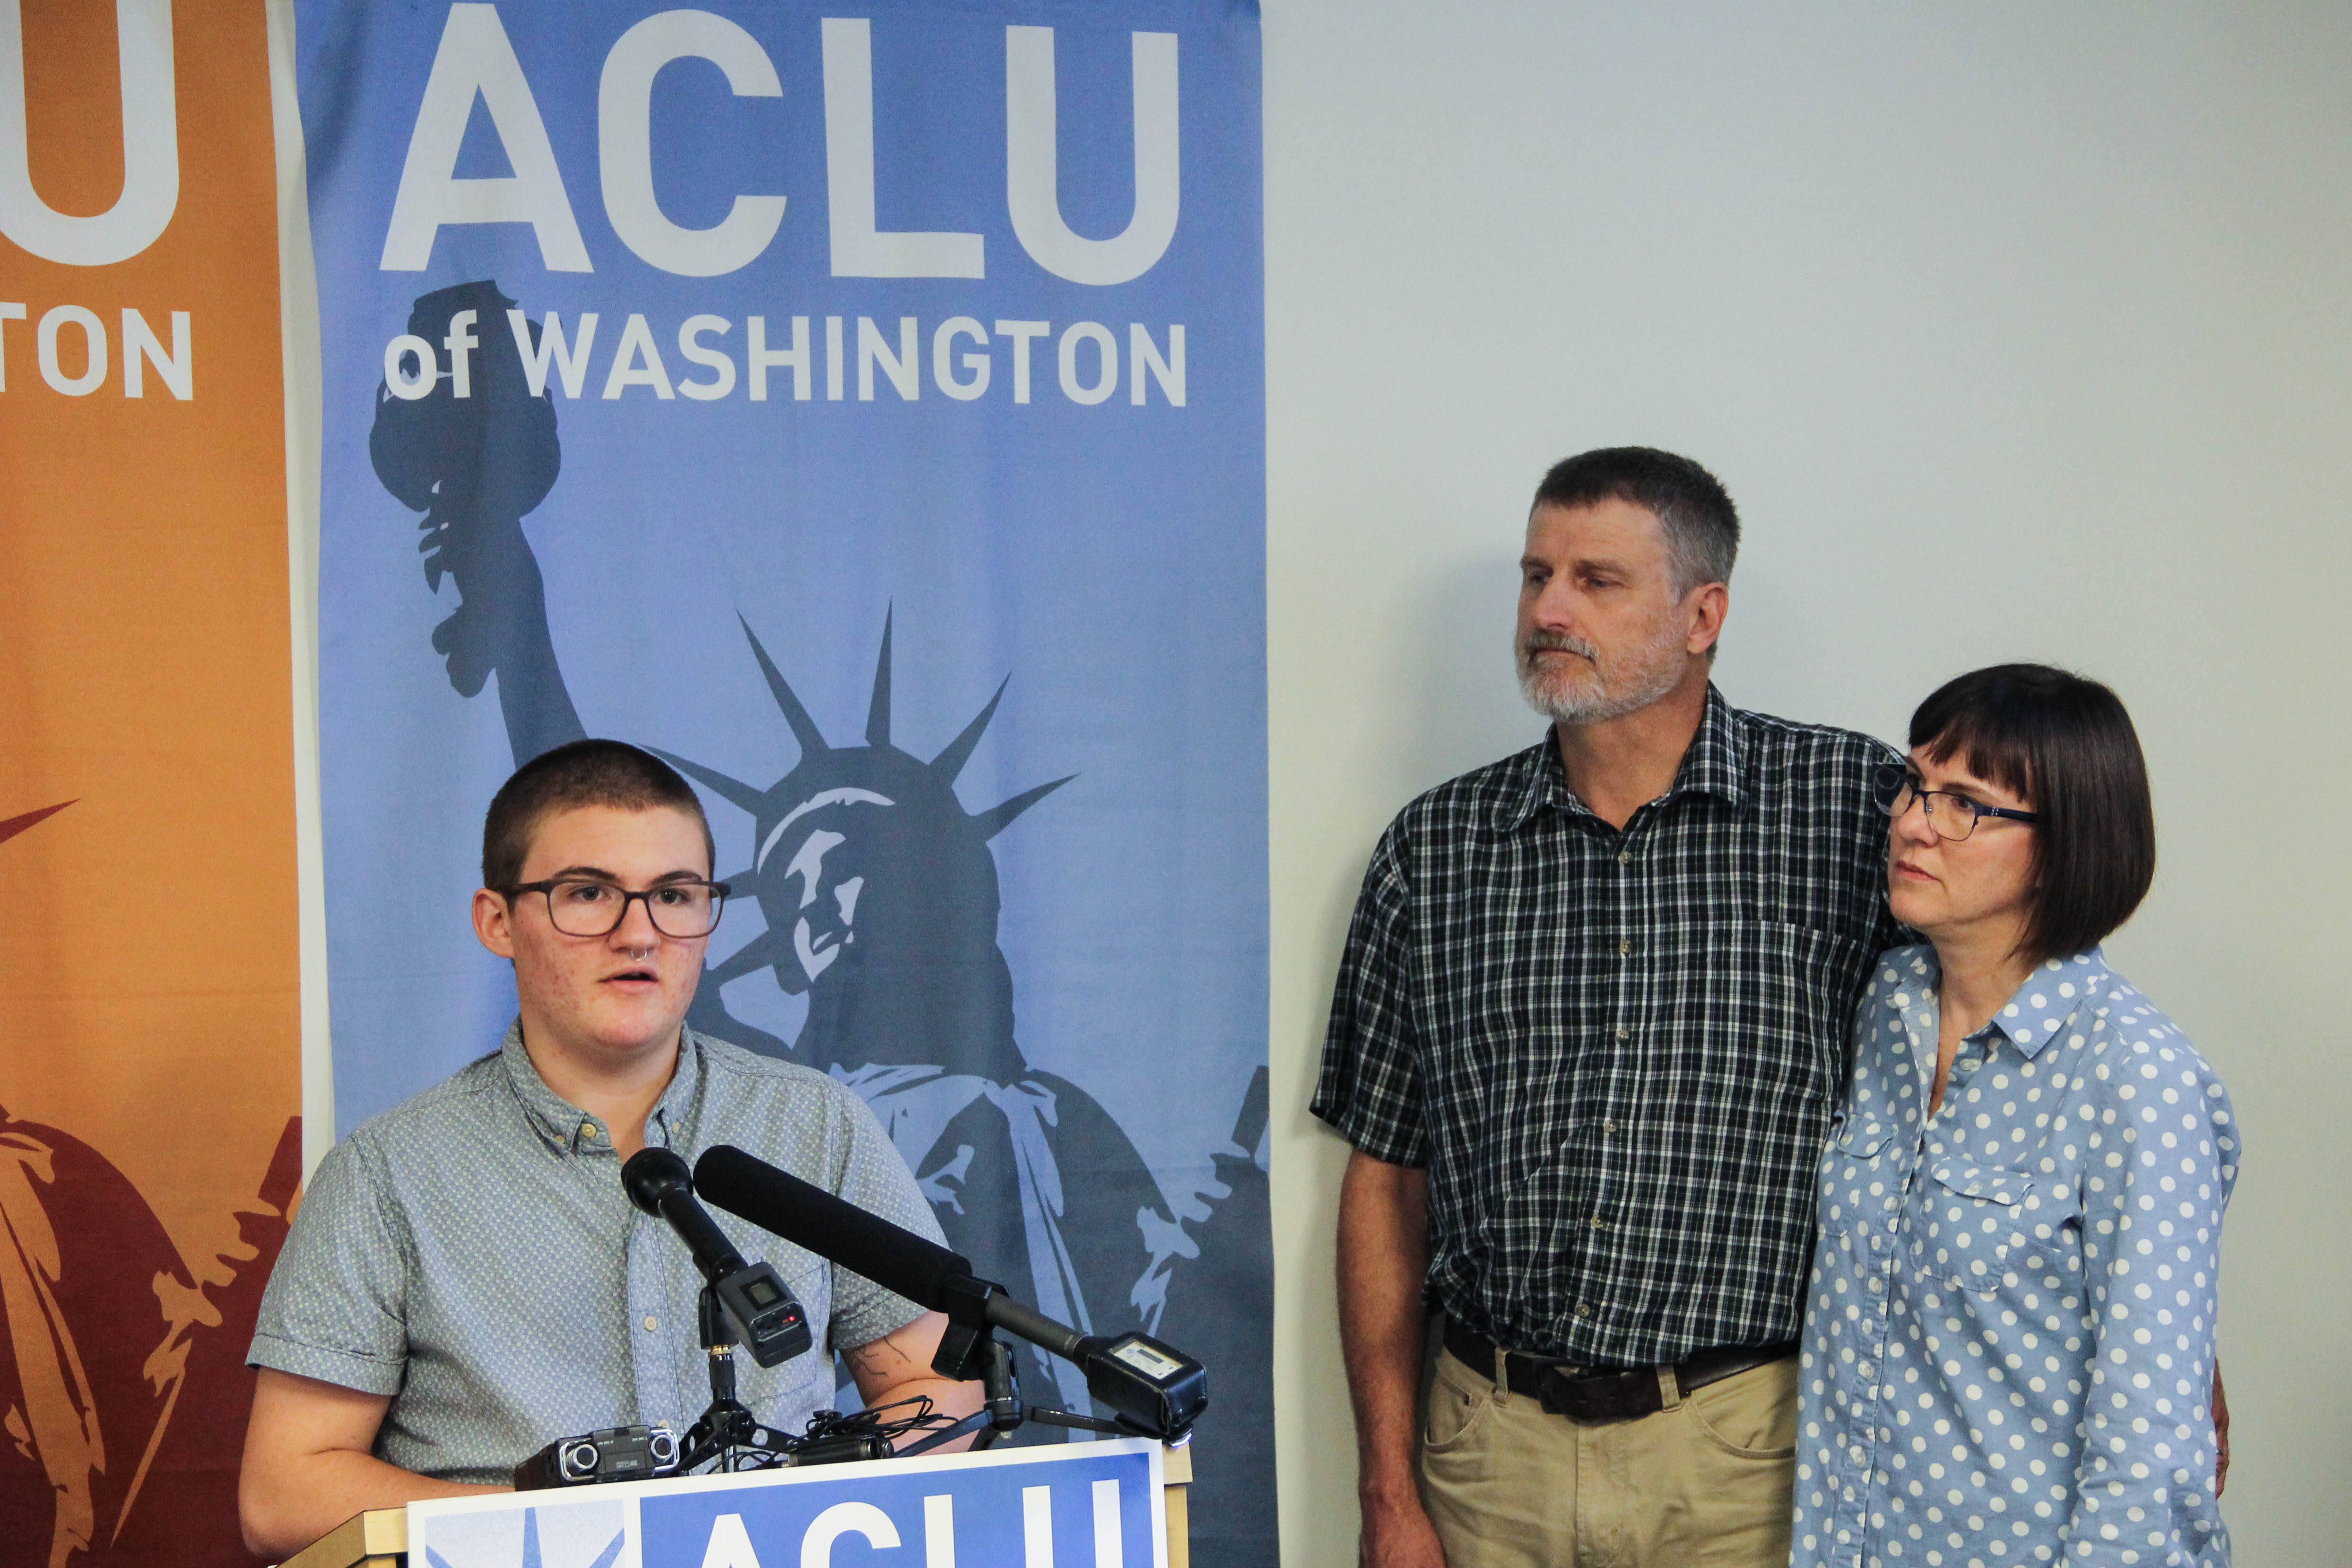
(2009,1332)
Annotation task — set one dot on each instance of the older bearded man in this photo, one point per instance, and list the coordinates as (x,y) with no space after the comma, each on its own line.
(1588,1035)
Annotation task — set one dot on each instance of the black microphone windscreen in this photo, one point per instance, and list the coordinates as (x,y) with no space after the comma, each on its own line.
(777,1201)
(651,1175)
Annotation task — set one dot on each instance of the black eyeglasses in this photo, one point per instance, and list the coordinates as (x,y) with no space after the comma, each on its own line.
(1953,816)
(583,906)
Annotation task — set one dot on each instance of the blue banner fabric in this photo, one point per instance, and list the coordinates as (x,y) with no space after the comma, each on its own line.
(866,412)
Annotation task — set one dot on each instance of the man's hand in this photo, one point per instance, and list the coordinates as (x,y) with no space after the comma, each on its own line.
(1384,1258)
(1399,1537)
(898,1366)
(308,1465)
(2220,1432)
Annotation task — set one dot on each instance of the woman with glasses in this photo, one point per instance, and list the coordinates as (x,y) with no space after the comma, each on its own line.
(2008,1334)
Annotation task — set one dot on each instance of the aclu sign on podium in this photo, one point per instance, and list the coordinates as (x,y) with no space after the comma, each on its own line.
(1092,1505)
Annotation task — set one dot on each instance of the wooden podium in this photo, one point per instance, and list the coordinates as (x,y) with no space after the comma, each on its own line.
(379,1538)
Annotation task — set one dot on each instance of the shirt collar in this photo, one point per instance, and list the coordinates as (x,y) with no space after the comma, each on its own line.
(2038,1010)
(1714,764)
(2037,1014)
(572,1129)
(674,1113)
(1717,762)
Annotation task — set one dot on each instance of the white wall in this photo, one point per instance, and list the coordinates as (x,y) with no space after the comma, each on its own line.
(2016,331)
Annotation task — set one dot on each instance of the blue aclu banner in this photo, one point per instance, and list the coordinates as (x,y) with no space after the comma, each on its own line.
(1100,1507)
(866,412)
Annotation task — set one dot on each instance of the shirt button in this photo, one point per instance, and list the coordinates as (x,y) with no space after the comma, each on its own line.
(1599,1223)
(1624,948)
(1583,1309)
(587,1129)
(651,1323)
(1608,1126)
(1624,857)
(1624,1033)
(1876,1284)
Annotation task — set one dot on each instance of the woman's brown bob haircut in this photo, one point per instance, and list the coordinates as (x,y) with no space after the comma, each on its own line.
(2066,746)
(578,773)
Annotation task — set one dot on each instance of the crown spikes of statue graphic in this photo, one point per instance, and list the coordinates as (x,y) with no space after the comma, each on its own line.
(480,1529)
(879,892)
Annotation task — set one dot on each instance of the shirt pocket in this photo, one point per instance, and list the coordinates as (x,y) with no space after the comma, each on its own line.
(2048,1250)
(1855,1206)
(1791,990)
(1973,1225)
(1848,1162)
(1859,1137)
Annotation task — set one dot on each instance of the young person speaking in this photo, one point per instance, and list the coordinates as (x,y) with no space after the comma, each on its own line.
(467,1280)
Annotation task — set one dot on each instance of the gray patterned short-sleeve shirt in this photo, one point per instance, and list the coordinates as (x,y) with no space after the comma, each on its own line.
(470,1253)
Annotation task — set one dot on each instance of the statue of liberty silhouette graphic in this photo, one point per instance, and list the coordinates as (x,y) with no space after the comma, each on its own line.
(124,1389)
(879,895)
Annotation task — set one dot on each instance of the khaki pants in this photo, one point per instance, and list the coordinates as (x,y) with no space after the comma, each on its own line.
(1705,1481)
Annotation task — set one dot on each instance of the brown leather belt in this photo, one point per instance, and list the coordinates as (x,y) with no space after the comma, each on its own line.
(1606,1393)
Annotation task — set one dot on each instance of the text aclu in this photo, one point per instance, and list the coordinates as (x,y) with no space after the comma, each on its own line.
(730,1546)
(475,60)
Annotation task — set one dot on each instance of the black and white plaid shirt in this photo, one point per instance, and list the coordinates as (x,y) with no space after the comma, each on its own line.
(1617,1053)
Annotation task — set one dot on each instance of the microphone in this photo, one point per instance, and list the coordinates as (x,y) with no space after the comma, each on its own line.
(1153,1387)
(833,1229)
(759,1305)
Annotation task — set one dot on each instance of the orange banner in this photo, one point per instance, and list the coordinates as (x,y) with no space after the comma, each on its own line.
(150,1074)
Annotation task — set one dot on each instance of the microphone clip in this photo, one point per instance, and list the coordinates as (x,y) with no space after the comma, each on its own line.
(758,1303)
(1002,1410)
(970,1352)
(728,1425)
(963,1353)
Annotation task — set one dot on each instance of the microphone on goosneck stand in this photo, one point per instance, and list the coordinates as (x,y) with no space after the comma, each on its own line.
(1154,1389)
(759,1305)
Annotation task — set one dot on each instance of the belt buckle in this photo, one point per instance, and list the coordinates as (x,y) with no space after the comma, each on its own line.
(1552,1380)
(1591,1394)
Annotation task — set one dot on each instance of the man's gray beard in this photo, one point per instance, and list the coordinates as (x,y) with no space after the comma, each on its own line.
(1653,674)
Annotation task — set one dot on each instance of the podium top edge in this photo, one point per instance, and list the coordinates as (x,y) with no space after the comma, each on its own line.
(378,1532)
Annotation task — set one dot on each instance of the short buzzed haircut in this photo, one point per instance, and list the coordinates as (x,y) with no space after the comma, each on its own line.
(1702,528)
(579,773)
